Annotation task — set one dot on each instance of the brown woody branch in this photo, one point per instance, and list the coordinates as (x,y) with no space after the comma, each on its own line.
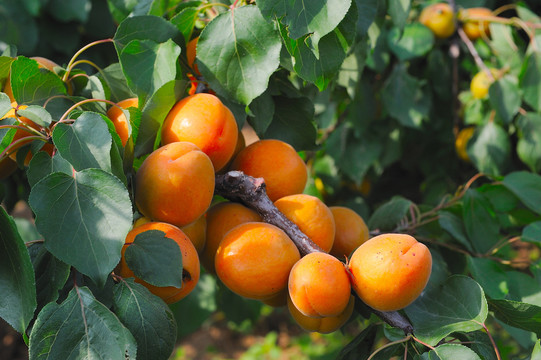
(250,191)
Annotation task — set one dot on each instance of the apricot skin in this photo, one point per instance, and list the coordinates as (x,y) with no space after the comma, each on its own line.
(119,119)
(312,216)
(319,285)
(351,231)
(254,260)
(175,184)
(322,325)
(275,161)
(190,262)
(221,218)
(205,121)
(439,18)
(475,29)
(390,271)
(197,232)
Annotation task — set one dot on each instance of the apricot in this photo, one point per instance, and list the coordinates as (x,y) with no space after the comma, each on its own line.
(275,161)
(312,216)
(21,134)
(119,119)
(190,262)
(351,231)
(461,142)
(319,285)
(191,48)
(322,325)
(254,260)
(475,29)
(481,82)
(221,218)
(197,232)
(241,144)
(439,18)
(277,300)
(390,271)
(175,184)
(205,121)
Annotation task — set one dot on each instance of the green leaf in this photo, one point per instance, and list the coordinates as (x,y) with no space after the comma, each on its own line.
(155,259)
(489,149)
(451,352)
(80,328)
(32,85)
(316,17)
(527,187)
(532,233)
(518,314)
(86,143)
(42,165)
(147,317)
(5,104)
(530,81)
(51,274)
(360,346)
(114,78)
(36,114)
(237,53)
(146,27)
(505,98)
(454,226)
(490,275)
(529,142)
(84,219)
(17,282)
(503,47)
(149,65)
(352,67)
(293,122)
(262,109)
(536,353)
(404,98)
(185,19)
(154,112)
(459,304)
(73,10)
(389,215)
(415,41)
(399,11)
(480,221)
(367,11)
(18,27)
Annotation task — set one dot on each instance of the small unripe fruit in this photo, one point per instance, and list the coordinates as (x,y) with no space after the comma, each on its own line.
(481,82)
(390,271)
(439,18)
(461,142)
(475,29)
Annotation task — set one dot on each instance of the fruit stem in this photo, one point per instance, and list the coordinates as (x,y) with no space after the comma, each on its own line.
(392,343)
(238,187)
(14,144)
(73,107)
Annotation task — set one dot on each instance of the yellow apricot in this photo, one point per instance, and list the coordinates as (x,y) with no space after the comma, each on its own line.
(319,285)
(254,260)
(390,271)
(475,29)
(312,216)
(322,325)
(190,262)
(481,82)
(221,218)
(175,184)
(461,142)
(351,231)
(439,18)
(277,163)
(204,120)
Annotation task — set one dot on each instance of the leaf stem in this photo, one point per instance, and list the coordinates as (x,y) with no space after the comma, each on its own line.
(82,102)
(392,343)
(79,52)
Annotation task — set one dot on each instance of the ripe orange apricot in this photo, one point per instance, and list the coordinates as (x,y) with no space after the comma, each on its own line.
(197,232)
(275,161)
(190,262)
(312,216)
(461,142)
(175,184)
(439,18)
(322,325)
(205,121)
(319,285)
(21,134)
(390,271)
(221,218)
(254,260)
(119,118)
(475,29)
(351,231)
(190,54)
(241,144)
